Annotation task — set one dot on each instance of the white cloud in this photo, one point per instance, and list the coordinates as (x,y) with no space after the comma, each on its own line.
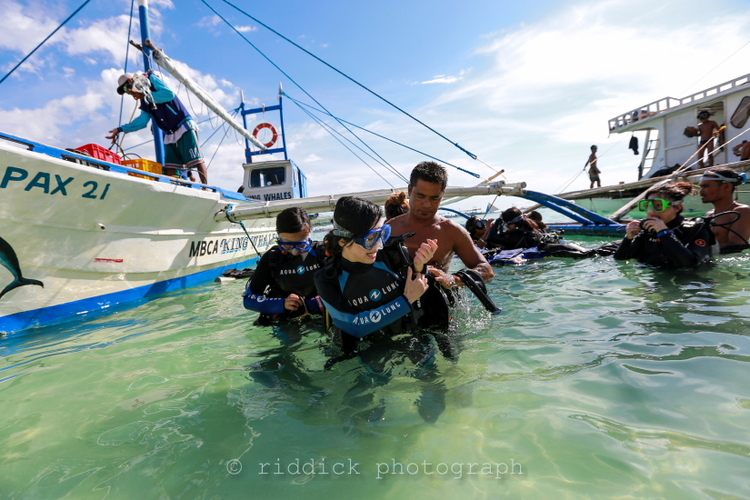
(105,35)
(536,96)
(547,89)
(246,29)
(446,78)
(210,21)
(21,31)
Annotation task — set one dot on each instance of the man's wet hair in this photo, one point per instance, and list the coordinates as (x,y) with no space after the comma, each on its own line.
(429,171)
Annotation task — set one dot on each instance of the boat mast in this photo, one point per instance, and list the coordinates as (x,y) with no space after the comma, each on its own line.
(146,35)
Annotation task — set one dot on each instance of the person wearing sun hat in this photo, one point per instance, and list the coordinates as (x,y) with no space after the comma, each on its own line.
(158,102)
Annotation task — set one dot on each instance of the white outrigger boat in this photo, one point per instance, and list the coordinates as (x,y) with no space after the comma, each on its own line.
(80,234)
(667,152)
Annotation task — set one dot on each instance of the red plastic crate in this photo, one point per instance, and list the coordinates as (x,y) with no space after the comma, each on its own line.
(101,153)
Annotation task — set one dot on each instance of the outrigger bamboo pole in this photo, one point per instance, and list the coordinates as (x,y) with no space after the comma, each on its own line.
(674,175)
(249,210)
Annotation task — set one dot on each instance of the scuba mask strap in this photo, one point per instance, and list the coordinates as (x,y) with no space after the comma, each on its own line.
(340,231)
(717,176)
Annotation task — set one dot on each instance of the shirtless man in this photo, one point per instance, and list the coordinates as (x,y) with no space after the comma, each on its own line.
(706,129)
(742,150)
(717,187)
(426,188)
(593,169)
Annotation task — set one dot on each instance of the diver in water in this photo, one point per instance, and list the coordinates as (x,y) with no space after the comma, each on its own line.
(283,285)
(513,230)
(730,219)
(364,291)
(372,291)
(666,238)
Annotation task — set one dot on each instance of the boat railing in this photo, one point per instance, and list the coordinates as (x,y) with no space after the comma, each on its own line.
(668,103)
(80,159)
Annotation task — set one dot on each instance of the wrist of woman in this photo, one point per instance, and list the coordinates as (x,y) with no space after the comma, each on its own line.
(664,232)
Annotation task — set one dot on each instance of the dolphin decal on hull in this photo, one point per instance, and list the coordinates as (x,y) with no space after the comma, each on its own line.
(9,260)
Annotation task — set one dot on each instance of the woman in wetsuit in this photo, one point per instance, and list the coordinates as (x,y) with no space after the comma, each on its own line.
(363,291)
(513,230)
(666,238)
(283,285)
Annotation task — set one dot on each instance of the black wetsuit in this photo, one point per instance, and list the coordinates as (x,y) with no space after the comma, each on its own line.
(515,238)
(279,274)
(686,242)
(363,298)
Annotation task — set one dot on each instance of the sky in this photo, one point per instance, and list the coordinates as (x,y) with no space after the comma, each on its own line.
(528,87)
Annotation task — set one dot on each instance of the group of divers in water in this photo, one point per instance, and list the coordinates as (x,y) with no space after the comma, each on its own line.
(376,282)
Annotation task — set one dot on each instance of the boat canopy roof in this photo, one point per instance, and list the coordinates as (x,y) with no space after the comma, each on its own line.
(636,119)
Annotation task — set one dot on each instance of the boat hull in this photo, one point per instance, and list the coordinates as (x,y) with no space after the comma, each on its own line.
(75,239)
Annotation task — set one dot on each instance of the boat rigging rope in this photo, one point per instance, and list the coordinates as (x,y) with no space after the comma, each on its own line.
(122,137)
(565,186)
(127,54)
(714,69)
(299,103)
(331,131)
(43,41)
(151,140)
(227,213)
(224,128)
(472,155)
(287,75)
(685,166)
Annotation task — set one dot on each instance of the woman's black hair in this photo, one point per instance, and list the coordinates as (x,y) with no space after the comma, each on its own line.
(537,218)
(473,224)
(293,220)
(515,214)
(354,216)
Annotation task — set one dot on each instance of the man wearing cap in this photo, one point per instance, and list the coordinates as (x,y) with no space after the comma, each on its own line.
(717,187)
(159,102)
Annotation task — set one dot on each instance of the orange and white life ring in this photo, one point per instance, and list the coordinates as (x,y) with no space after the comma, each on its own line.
(273,130)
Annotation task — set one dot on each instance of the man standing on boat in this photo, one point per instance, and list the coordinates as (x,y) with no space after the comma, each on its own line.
(706,129)
(159,102)
(426,189)
(732,230)
(593,169)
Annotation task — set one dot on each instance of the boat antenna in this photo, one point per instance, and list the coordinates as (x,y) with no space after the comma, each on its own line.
(472,155)
(44,41)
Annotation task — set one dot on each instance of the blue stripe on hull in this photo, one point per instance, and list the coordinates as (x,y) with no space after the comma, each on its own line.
(58,313)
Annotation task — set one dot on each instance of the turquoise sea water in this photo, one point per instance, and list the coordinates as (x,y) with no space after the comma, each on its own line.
(600,379)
